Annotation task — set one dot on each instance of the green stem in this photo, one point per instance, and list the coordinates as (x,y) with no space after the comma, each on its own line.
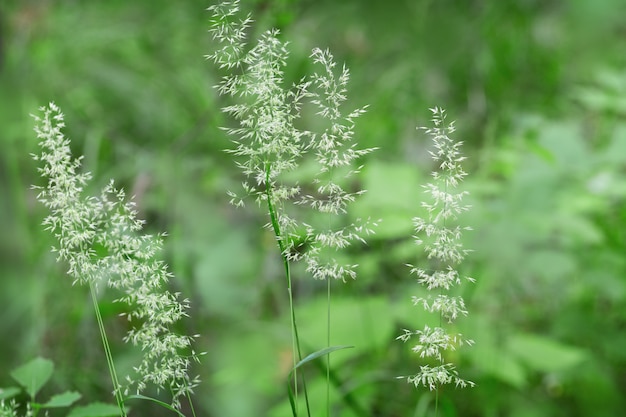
(193,410)
(328,344)
(283,253)
(328,317)
(440,313)
(107,352)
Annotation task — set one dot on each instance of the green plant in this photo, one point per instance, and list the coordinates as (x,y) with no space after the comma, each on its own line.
(269,145)
(97,238)
(442,244)
(32,376)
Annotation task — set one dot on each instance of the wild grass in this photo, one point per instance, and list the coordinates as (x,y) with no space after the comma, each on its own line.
(441,240)
(269,145)
(99,237)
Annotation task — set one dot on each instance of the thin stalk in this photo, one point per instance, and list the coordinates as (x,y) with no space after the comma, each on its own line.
(295,339)
(193,410)
(347,396)
(107,351)
(328,344)
(440,313)
(328,321)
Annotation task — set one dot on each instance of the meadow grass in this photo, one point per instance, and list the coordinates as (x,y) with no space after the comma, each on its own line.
(441,239)
(99,237)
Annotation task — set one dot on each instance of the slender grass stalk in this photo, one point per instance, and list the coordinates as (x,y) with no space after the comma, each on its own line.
(328,312)
(117,387)
(328,327)
(190,401)
(292,311)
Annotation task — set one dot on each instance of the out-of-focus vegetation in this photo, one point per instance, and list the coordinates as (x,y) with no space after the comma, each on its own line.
(538,89)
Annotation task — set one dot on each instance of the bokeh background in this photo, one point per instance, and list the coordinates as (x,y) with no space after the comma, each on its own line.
(538,90)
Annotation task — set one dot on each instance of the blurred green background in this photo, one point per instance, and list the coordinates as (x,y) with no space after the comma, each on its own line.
(538,89)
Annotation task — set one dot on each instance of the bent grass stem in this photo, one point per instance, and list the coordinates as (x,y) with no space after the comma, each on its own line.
(297,356)
(107,352)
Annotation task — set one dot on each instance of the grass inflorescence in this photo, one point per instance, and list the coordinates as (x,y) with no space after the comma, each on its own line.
(441,239)
(269,144)
(84,227)
(100,237)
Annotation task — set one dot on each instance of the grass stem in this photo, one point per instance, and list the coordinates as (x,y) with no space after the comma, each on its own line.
(283,248)
(107,351)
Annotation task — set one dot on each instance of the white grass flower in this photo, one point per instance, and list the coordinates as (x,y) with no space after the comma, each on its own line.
(335,154)
(268,143)
(107,222)
(442,244)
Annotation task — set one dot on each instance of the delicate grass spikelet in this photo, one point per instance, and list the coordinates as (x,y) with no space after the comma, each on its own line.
(335,153)
(441,241)
(268,144)
(87,226)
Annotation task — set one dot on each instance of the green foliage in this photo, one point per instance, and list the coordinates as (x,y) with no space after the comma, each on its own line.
(537,90)
(33,376)
(94,410)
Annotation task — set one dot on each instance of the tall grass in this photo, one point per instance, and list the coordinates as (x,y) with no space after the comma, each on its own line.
(99,237)
(441,240)
(269,145)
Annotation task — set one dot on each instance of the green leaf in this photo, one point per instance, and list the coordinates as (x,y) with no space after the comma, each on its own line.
(308,358)
(505,367)
(95,410)
(319,353)
(34,374)
(543,354)
(6,393)
(161,403)
(62,400)
(391,194)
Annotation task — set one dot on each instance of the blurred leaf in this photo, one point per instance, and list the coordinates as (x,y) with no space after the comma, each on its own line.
(62,400)
(551,265)
(6,393)
(543,354)
(394,194)
(601,101)
(488,355)
(617,148)
(95,410)
(318,354)
(364,321)
(504,367)
(34,374)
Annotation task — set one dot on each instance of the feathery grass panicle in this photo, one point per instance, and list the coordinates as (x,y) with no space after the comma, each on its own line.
(231,34)
(83,223)
(441,241)
(267,141)
(335,153)
(269,144)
